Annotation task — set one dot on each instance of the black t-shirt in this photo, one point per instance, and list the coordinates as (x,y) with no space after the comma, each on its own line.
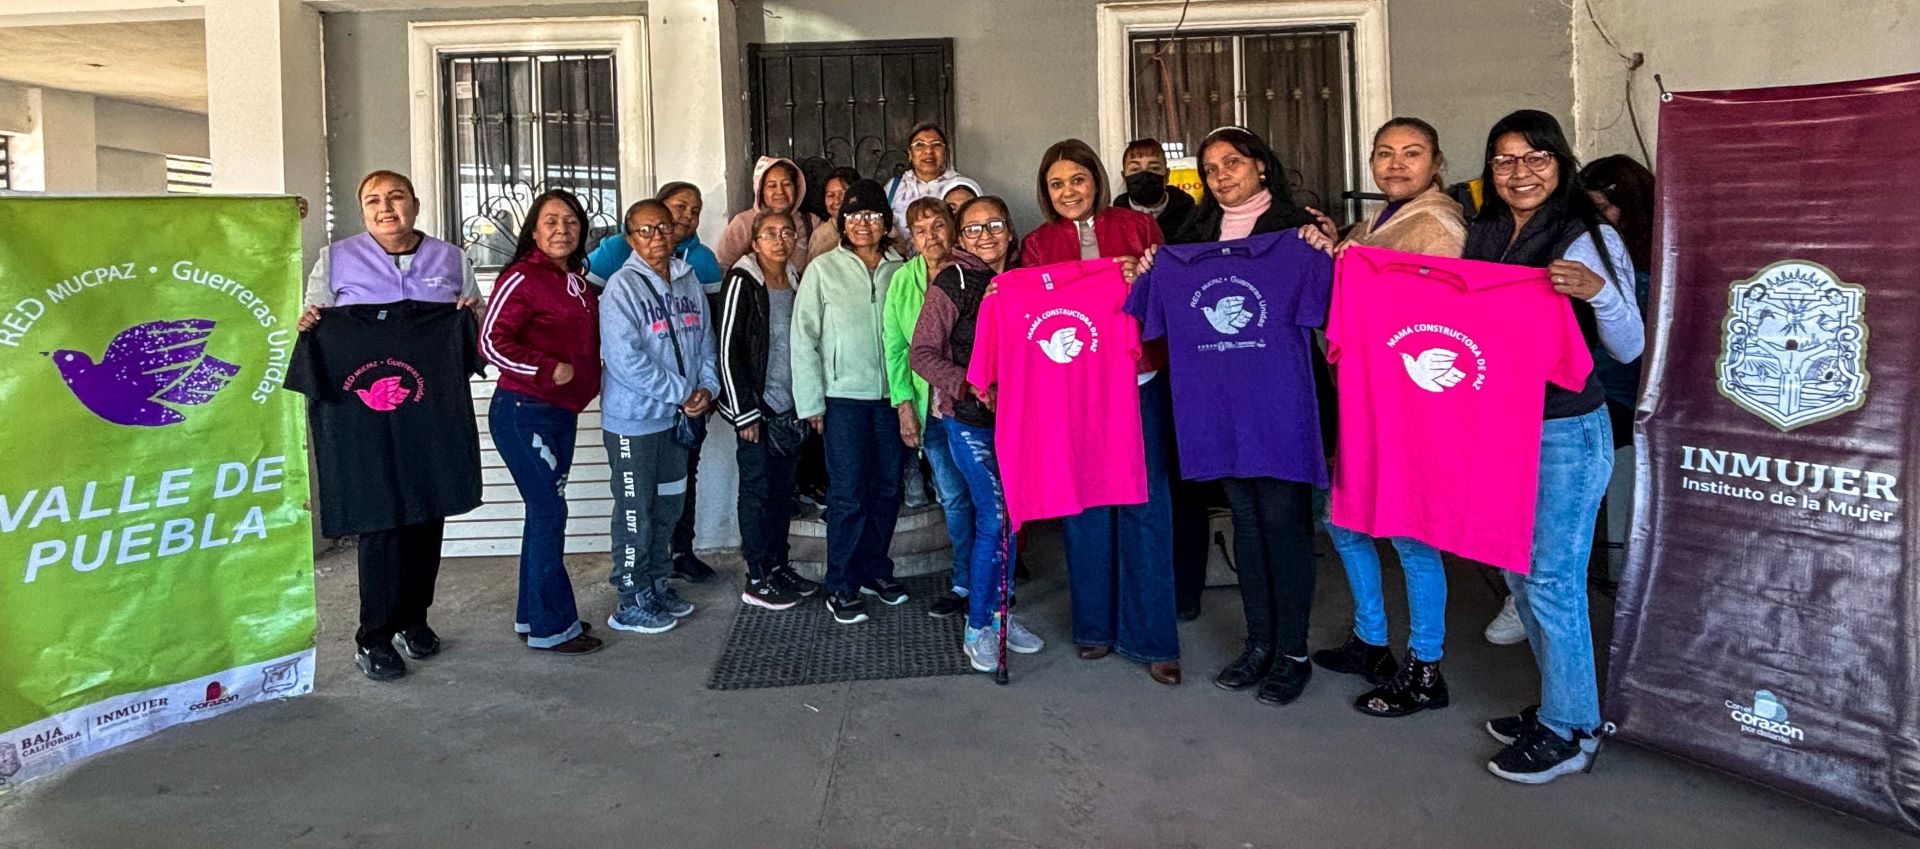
(392,416)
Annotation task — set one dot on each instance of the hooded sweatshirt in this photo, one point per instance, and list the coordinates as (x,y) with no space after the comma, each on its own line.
(612,252)
(904,296)
(839,292)
(737,240)
(645,380)
(538,318)
(943,340)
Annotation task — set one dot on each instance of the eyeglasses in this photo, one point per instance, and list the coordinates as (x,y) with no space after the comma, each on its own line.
(1536,161)
(924,146)
(649,231)
(868,217)
(996,226)
(783,235)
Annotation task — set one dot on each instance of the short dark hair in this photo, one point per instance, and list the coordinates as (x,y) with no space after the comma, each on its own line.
(935,207)
(925,126)
(656,204)
(524,248)
(674,188)
(1078,153)
(761,218)
(1144,147)
(846,175)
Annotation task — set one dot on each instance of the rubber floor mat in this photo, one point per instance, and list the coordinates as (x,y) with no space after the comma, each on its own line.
(803,645)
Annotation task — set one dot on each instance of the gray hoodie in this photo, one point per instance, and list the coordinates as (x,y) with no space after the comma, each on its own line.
(643,382)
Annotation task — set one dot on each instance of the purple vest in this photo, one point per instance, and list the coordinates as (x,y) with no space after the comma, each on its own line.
(360,272)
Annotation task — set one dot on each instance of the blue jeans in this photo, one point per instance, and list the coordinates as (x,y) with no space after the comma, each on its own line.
(1426,591)
(1120,559)
(974,458)
(535,440)
(950,487)
(864,453)
(1576,460)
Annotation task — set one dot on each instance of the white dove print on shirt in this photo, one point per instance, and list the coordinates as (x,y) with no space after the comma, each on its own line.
(1062,346)
(1433,370)
(1230,315)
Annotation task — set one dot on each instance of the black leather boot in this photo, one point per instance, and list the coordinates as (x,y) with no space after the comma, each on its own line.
(1416,687)
(1358,657)
(1248,669)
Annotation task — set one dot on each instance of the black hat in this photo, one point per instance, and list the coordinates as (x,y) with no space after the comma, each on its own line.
(862,196)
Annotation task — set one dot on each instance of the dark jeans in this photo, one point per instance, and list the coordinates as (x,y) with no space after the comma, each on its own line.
(535,440)
(683,528)
(649,481)
(1120,559)
(397,569)
(1273,551)
(863,491)
(1192,534)
(765,505)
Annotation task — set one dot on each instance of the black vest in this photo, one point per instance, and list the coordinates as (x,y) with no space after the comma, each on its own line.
(966,288)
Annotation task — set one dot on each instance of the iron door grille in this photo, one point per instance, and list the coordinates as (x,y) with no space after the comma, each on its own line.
(516,125)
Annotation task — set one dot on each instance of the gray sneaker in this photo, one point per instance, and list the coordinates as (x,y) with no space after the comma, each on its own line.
(670,602)
(1021,640)
(642,616)
(983,648)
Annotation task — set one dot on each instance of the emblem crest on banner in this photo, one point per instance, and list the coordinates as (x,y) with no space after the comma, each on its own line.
(1793,348)
(9,762)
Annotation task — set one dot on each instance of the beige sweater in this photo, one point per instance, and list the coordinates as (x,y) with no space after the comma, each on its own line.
(1431,223)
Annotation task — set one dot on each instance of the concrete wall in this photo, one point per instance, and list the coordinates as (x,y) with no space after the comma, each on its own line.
(1024,72)
(1727,44)
(69,141)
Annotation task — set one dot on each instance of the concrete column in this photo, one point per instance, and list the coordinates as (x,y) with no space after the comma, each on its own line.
(64,134)
(266,115)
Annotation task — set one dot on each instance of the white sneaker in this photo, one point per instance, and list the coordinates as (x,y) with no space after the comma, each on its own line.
(1505,629)
(1021,640)
(983,649)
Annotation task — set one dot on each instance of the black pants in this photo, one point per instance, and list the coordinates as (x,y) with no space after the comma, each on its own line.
(1191,537)
(397,571)
(765,505)
(1273,551)
(683,529)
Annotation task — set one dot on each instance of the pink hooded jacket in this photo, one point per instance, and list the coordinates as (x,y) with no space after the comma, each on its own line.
(737,240)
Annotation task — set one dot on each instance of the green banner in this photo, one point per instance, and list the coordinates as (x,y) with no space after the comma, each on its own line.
(156,553)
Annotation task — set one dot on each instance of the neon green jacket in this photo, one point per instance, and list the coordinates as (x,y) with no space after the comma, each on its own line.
(905,295)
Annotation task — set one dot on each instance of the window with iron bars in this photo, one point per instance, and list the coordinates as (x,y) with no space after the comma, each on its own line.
(518,124)
(189,175)
(6,165)
(1293,87)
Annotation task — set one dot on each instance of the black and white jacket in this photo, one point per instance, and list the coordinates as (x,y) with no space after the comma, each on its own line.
(744,341)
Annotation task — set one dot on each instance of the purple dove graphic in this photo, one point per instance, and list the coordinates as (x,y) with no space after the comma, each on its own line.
(145,369)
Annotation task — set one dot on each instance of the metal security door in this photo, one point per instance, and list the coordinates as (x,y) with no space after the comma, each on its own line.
(852,104)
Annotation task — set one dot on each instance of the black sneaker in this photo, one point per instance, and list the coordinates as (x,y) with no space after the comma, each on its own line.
(889,591)
(947,605)
(381,662)
(768,594)
(1250,668)
(1539,755)
(1286,682)
(789,580)
(1187,611)
(1359,657)
(691,569)
(418,642)
(847,609)
(1507,729)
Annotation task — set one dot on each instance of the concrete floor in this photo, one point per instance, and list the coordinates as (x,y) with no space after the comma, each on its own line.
(490,745)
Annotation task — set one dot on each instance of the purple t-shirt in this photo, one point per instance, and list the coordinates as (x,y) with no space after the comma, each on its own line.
(1238,318)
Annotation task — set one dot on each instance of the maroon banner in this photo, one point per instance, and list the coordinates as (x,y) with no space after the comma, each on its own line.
(1769,619)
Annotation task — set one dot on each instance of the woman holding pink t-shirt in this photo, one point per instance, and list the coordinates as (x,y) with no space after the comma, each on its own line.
(1539,215)
(1418,218)
(1119,559)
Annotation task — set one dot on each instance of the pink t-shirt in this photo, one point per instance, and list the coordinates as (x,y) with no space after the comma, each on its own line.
(1442,369)
(1057,351)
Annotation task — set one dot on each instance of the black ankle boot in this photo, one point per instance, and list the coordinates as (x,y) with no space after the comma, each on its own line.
(1288,679)
(1359,657)
(1246,670)
(1416,687)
